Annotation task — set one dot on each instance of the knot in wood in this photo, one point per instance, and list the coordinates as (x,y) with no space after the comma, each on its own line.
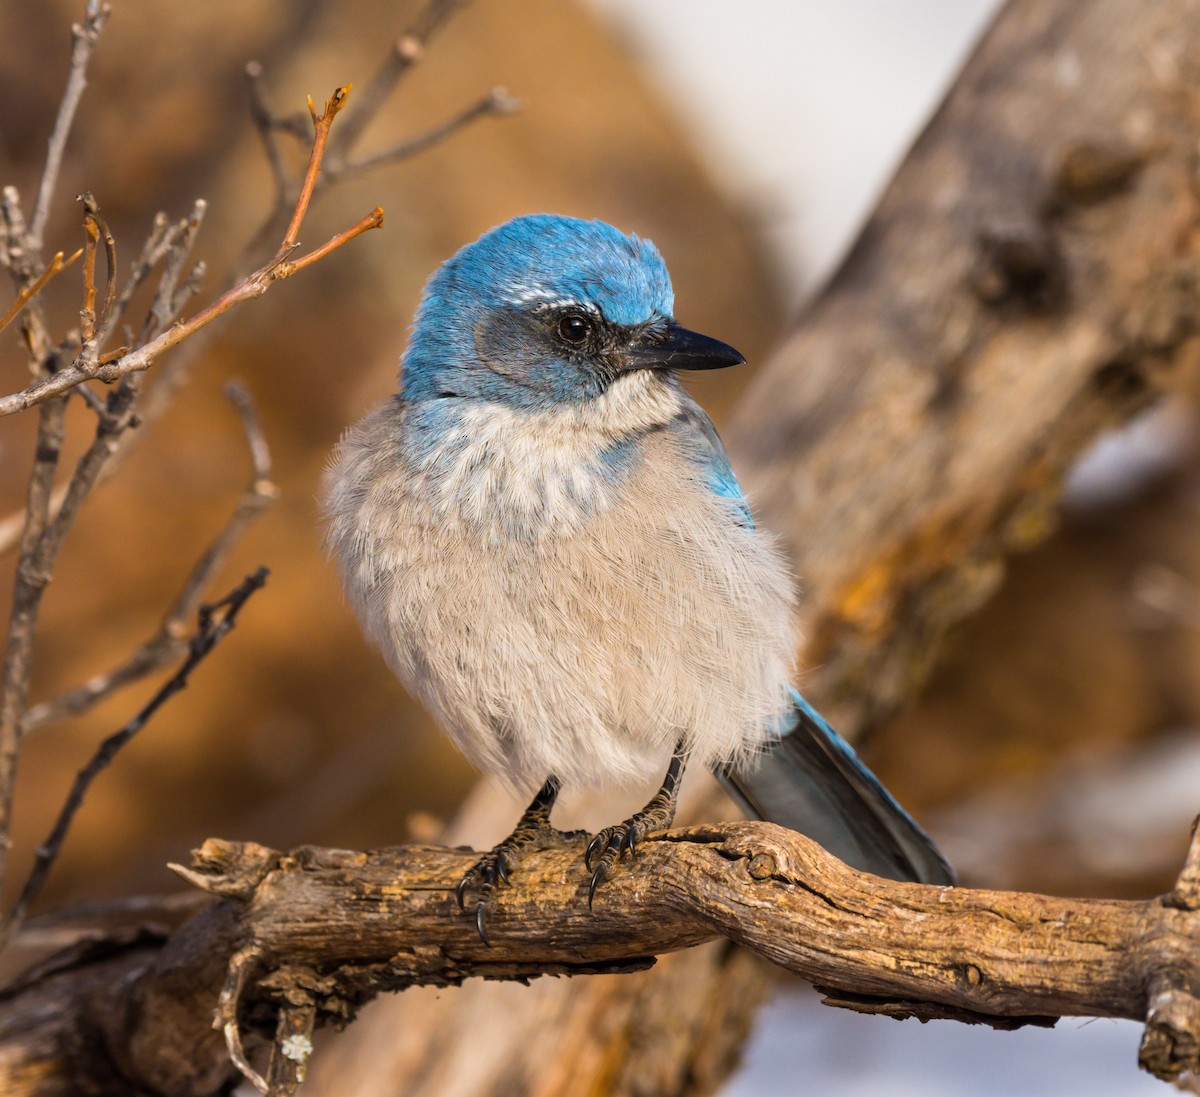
(1092,171)
(969,975)
(409,48)
(762,866)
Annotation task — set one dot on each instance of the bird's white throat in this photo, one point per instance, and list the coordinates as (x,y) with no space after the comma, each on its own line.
(514,473)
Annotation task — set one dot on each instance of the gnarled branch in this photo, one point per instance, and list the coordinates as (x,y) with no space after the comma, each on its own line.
(314,933)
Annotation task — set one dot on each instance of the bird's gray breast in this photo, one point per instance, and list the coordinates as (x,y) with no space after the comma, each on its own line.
(558,613)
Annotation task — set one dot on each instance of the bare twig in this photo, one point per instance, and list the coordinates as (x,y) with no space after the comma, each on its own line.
(163,308)
(254,285)
(29,292)
(170,638)
(268,131)
(242,964)
(84,36)
(34,563)
(172,374)
(96,229)
(87,315)
(406,52)
(162,238)
(32,576)
(20,257)
(321,124)
(215,621)
(494,104)
(372,220)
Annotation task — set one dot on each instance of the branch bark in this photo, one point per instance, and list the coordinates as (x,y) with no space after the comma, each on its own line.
(389,918)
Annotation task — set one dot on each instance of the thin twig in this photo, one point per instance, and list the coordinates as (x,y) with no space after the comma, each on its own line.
(268,130)
(29,292)
(118,418)
(406,52)
(372,220)
(20,257)
(254,285)
(215,621)
(170,637)
(162,308)
(33,566)
(242,964)
(30,582)
(87,315)
(84,37)
(97,229)
(321,124)
(172,374)
(162,237)
(495,104)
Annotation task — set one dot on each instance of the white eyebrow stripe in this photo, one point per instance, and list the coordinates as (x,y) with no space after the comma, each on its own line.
(547,299)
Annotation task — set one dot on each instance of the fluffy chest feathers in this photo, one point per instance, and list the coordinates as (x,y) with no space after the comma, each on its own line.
(567,593)
(514,474)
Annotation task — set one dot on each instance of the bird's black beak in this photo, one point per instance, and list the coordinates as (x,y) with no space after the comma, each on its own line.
(682,349)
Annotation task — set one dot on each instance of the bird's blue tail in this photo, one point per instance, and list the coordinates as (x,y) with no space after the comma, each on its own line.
(812,781)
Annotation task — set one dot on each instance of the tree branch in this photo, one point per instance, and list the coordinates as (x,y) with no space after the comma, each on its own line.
(216,619)
(215,622)
(85,36)
(406,51)
(170,638)
(255,285)
(29,292)
(492,104)
(309,936)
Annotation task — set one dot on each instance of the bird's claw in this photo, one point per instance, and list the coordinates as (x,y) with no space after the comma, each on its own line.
(492,870)
(488,873)
(612,844)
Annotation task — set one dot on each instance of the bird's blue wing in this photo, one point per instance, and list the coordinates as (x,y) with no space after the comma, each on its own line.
(810,779)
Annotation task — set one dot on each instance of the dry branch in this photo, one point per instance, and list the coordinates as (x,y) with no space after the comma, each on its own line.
(164,240)
(29,292)
(495,103)
(280,266)
(47,522)
(316,933)
(170,639)
(84,37)
(407,51)
(216,619)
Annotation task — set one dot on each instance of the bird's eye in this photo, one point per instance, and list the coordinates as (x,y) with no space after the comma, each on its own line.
(573,328)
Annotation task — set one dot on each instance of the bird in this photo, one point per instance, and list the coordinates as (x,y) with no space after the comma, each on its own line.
(542,533)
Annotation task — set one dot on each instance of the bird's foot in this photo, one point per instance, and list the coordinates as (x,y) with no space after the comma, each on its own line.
(493,868)
(612,843)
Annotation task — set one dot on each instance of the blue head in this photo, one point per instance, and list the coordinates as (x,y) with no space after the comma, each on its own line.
(546,310)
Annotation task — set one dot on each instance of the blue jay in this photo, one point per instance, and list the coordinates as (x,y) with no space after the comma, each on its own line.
(542,533)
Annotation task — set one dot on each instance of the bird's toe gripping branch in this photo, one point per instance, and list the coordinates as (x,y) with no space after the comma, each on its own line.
(533,832)
(612,843)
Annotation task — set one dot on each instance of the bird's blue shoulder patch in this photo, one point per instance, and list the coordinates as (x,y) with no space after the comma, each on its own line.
(707,451)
